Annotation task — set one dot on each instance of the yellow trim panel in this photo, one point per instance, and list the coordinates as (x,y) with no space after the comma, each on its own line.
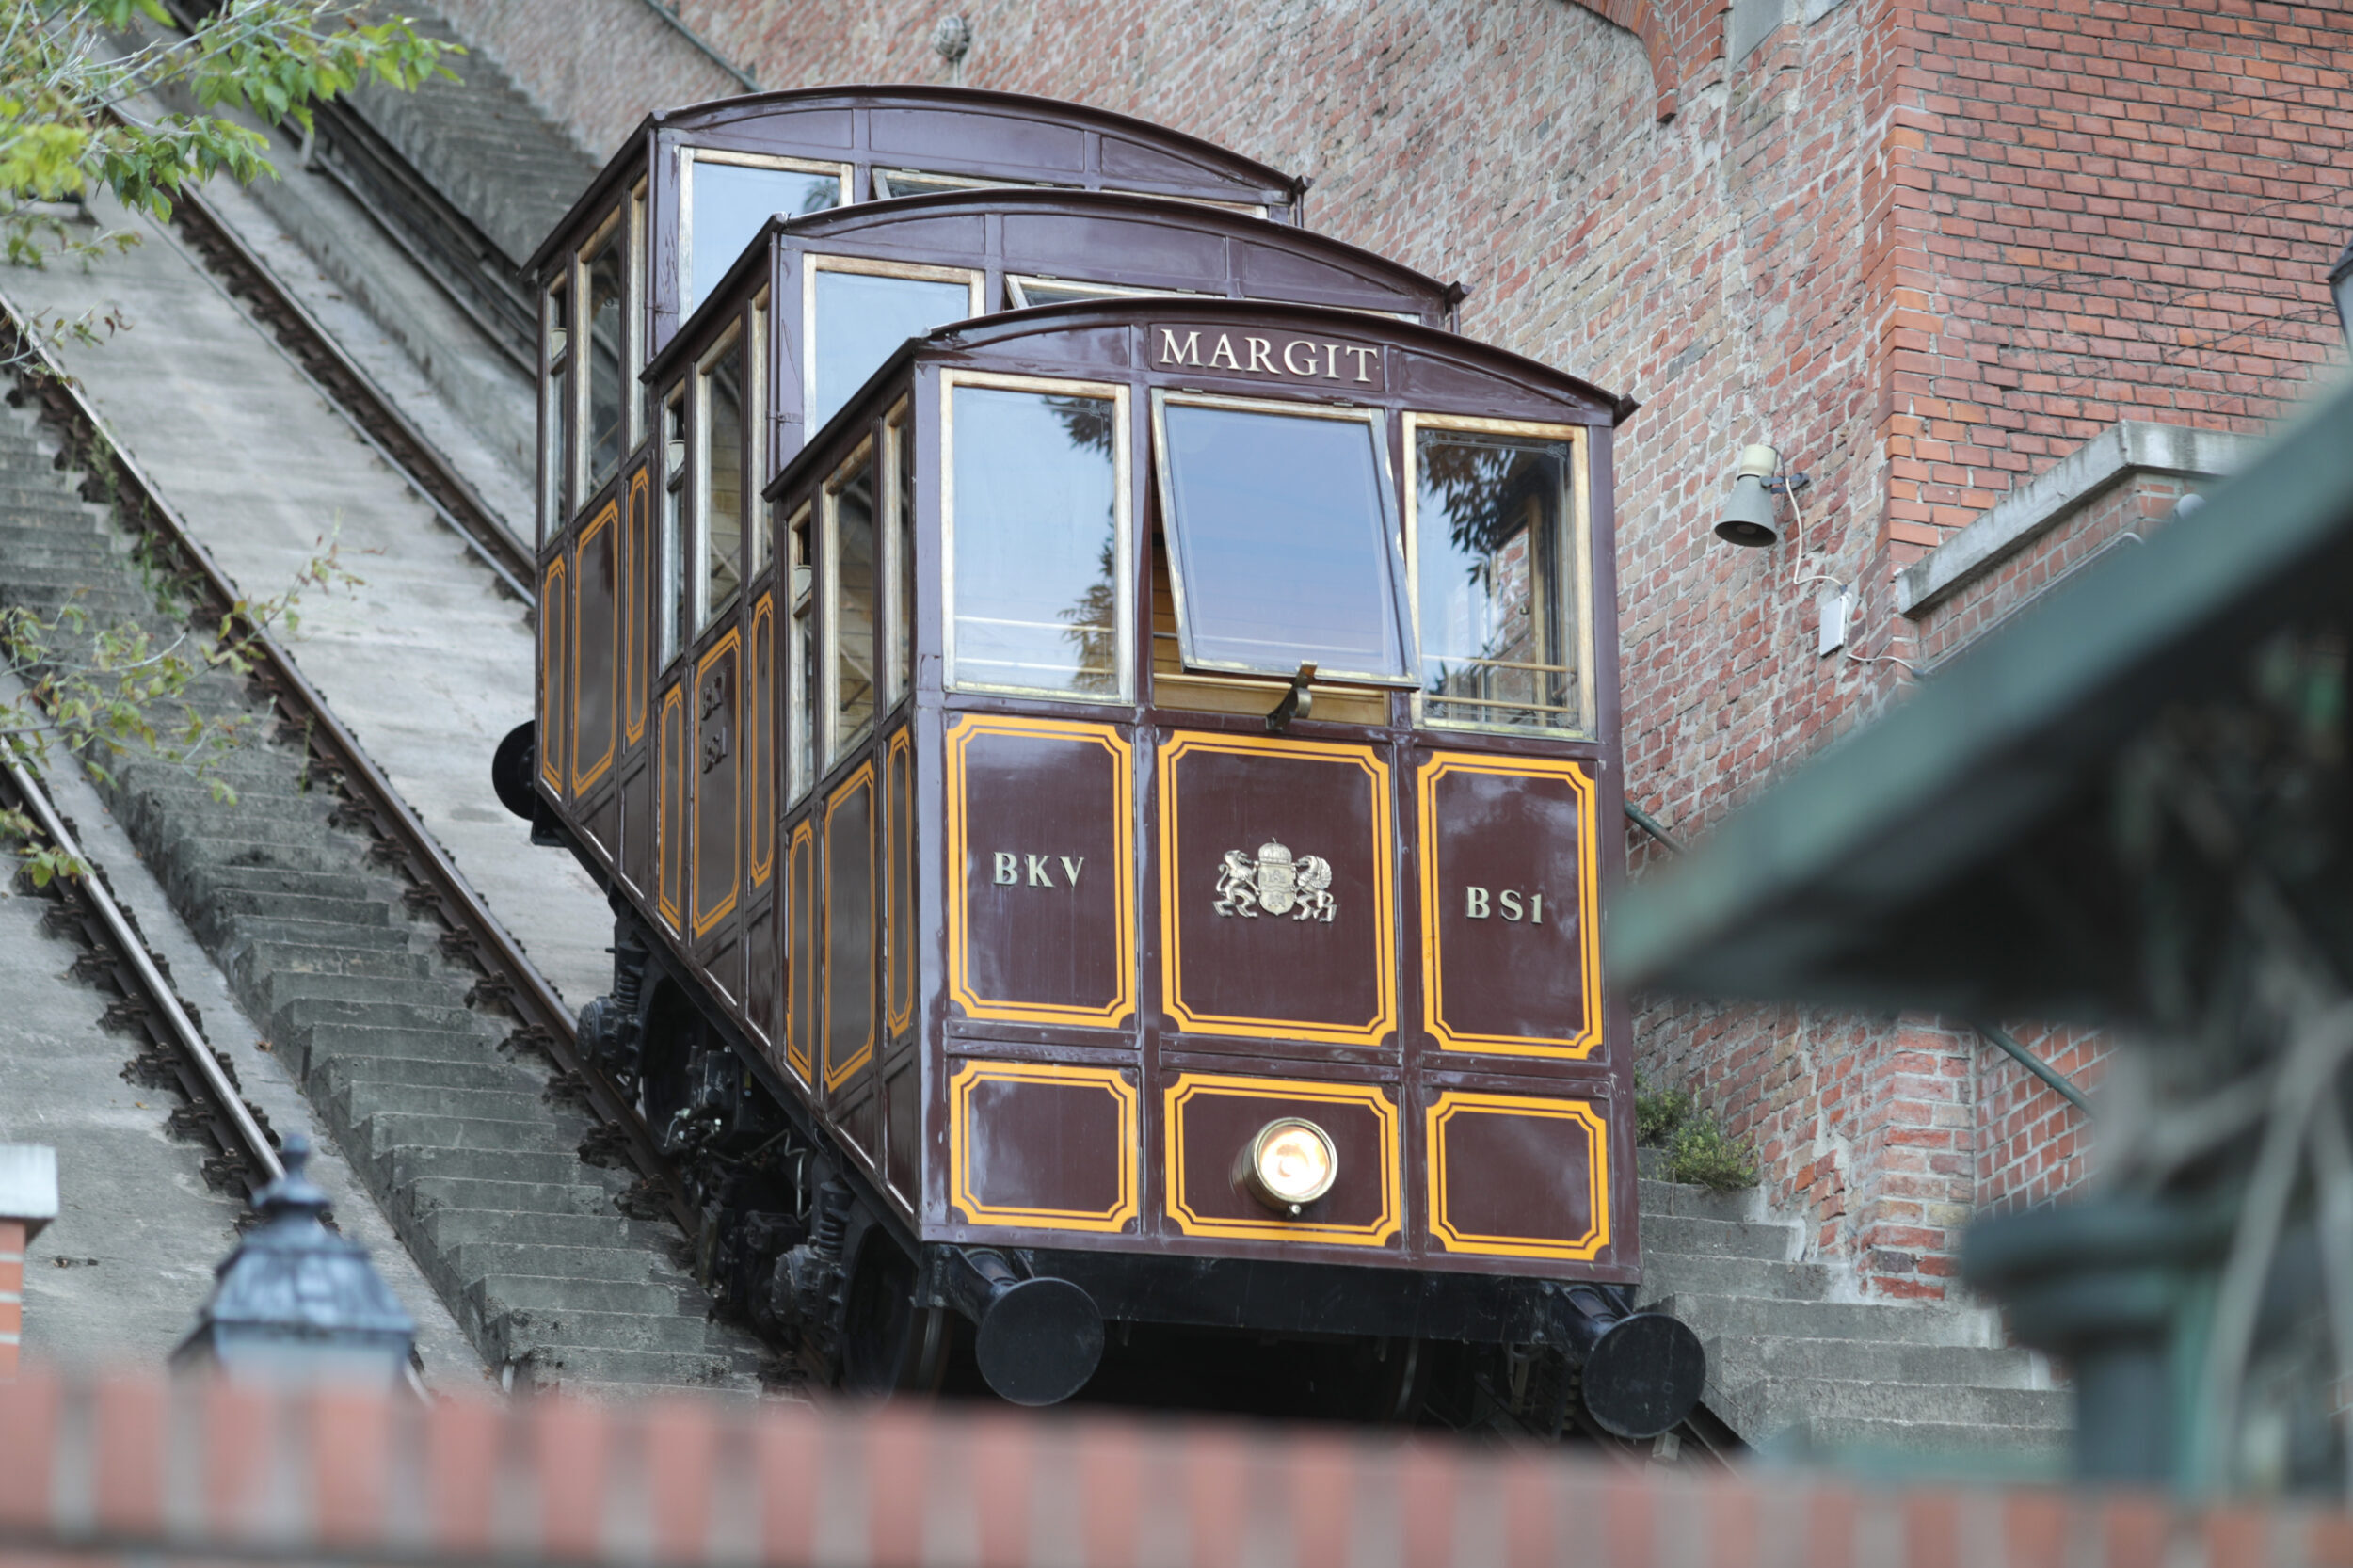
(1451,1103)
(1191,1086)
(1109,1080)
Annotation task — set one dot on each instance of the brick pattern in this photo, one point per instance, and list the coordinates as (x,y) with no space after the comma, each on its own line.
(2140,506)
(11,1294)
(1924,248)
(117,1471)
(2032,1145)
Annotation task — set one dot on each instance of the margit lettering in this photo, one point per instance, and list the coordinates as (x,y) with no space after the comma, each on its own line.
(1297,359)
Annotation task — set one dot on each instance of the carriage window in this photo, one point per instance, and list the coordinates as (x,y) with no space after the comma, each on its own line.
(857,319)
(555,489)
(1026,291)
(1496,580)
(1036,553)
(633,318)
(801,676)
(850,610)
(672,457)
(911,182)
(728,202)
(1282,543)
(900,435)
(719,515)
(603,270)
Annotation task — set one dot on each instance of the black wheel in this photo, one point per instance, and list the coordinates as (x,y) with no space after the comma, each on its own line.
(888,1344)
(511,767)
(665,1062)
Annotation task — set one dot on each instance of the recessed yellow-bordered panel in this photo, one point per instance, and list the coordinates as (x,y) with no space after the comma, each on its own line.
(1041,872)
(848,967)
(595,692)
(1277,889)
(552,623)
(1210,1119)
(1044,1146)
(670,808)
(1516,1176)
(800,951)
(1511,927)
(759,731)
(633,635)
(715,851)
(899,882)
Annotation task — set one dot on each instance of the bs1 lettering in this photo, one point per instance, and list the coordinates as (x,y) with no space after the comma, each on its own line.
(1507,903)
(1016,868)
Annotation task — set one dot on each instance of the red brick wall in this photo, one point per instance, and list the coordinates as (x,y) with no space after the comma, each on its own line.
(12,1293)
(1923,247)
(135,1469)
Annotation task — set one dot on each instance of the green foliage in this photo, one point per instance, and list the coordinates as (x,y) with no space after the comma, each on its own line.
(112,693)
(1699,1150)
(76,113)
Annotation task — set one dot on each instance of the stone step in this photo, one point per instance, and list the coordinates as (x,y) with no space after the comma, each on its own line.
(1745,1317)
(325,937)
(404,1166)
(505,1104)
(262,854)
(2023,1451)
(1685,1235)
(1981,1366)
(1674,1197)
(1811,1402)
(624,1264)
(343,1071)
(259,960)
(1756,1278)
(559,1366)
(383,1024)
(438,997)
(305,881)
(389,1130)
(642,1330)
(504,1292)
(430,1194)
(452,1227)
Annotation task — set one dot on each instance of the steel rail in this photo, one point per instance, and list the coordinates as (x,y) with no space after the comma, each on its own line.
(350,388)
(227,1105)
(475,933)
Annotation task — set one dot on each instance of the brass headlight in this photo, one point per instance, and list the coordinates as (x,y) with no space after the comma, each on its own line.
(1289,1165)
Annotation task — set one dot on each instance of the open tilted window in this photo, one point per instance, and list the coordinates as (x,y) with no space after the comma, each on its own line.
(1283,537)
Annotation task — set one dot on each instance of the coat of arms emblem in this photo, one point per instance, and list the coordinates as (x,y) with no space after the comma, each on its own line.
(1277,883)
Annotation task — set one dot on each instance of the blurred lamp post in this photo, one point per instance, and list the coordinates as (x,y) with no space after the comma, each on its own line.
(297,1302)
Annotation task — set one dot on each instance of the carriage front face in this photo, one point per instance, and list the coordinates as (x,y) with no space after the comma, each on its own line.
(1153,973)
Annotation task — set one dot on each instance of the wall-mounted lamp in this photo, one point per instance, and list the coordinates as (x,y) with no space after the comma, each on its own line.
(1750,517)
(2340,285)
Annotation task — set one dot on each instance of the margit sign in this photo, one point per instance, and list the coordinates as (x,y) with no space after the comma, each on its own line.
(1284,356)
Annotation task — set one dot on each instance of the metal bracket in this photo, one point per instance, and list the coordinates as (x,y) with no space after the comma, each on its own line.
(1298,703)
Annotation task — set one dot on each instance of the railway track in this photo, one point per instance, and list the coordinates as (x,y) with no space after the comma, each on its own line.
(245,1152)
(473,933)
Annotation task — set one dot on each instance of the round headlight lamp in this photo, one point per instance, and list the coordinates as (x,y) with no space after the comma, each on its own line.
(1289,1165)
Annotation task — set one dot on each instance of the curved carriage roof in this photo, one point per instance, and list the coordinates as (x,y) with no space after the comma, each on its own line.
(1434,370)
(959,130)
(1098,237)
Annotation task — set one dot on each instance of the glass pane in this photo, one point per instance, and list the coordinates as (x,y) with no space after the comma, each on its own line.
(606,274)
(1491,568)
(852,615)
(909,181)
(722,481)
(803,700)
(902,601)
(1036,541)
(673,542)
(763,530)
(1283,555)
(861,321)
(732,202)
(555,451)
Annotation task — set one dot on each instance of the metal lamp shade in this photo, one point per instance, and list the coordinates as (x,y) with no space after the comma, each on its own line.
(1747,518)
(296,1303)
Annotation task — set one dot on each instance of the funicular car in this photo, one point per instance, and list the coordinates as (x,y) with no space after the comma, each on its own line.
(1097,713)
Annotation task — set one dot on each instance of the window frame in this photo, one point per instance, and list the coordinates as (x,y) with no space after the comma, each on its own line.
(581,353)
(1376,419)
(755,421)
(637,396)
(1578,522)
(690,154)
(704,613)
(812,263)
(1015,282)
(674,528)
(555,487)
(800,597)
(827,535)
(897,554)
(1122,529)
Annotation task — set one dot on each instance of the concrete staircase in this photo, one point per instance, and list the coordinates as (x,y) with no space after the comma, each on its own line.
(463,1140)
(1792,1370)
